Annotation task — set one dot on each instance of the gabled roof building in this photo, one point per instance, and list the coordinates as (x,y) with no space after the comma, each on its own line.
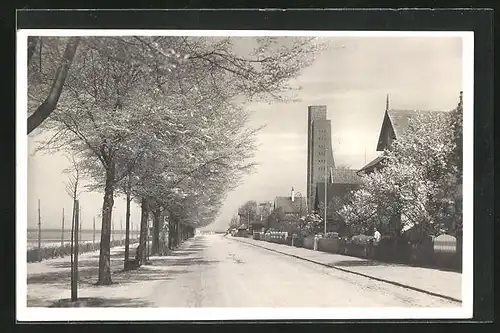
(292,204)
(394,125)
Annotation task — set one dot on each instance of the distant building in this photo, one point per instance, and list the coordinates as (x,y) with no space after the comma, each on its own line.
(319,150)
(264,209)
(242,230)
(288,207)
(341,182)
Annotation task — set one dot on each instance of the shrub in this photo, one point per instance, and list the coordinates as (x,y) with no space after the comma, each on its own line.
(331,235)
(34,255)
(361,239)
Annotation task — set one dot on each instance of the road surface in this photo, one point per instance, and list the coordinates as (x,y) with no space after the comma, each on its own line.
(219,271)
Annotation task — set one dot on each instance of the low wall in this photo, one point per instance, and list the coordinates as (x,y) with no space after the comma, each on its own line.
(298,241)
(330,245)
(308,243)
(279,238)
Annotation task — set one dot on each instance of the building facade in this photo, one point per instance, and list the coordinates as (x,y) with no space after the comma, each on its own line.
(340,184)
(319,150)
(286,209)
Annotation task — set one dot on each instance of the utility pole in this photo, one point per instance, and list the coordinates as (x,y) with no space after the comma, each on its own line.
(93,233)
(39,233)
(80,219)
(147,241)
(326,184)
(62,229)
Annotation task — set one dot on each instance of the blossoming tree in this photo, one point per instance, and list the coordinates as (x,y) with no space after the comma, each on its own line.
(416,186)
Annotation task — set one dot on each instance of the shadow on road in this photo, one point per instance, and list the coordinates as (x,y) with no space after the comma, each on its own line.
(60,277)
(81,263)
(100,302)
(188,254)
(179,253)
(190,261)
(360,263)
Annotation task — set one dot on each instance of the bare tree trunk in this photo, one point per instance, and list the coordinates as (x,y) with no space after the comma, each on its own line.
(179,233)
(107,210)
(171,223)
(74,286)
(155,247)
(127,226)
(141,250)
(50,103)
(72,246)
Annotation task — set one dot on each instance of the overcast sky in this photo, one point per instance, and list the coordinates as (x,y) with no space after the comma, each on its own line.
(353,81)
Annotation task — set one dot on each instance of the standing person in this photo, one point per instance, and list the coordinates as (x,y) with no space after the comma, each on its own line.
(374,241)
(376,236)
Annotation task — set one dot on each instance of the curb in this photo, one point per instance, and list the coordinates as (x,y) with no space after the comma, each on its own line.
(449,298)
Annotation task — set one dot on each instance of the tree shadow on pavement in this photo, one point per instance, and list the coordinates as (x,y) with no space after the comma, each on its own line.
(60,277)
(182,253)
(81,263)
(89,302)
(361,263)
(193,248)
(188,261)
(132,277)
(88,268)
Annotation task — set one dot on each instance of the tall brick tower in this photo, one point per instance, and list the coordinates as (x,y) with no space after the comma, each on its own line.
(319,150)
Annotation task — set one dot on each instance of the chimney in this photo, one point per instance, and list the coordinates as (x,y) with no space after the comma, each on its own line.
(460,103)
(293,195)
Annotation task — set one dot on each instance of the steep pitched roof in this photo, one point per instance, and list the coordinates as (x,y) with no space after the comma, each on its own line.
(289,206)
(371,164)
(344,176)
(399,118)
(398,121)
(333,190)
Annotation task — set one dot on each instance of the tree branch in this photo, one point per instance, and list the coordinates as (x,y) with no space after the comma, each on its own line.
(32,43)
(50,103)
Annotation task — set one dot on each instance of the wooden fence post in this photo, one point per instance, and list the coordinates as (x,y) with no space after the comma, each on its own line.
(62,229)
(39,233)
(93,234)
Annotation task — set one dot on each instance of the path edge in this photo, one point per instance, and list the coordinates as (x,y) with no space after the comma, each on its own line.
(399,284)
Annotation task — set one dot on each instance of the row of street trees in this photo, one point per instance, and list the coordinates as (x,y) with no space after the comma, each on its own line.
(161,120)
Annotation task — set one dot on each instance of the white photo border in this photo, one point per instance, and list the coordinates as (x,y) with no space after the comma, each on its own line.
(30,314)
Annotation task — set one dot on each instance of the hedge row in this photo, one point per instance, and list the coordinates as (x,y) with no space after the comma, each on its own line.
(34,255)
(386,250)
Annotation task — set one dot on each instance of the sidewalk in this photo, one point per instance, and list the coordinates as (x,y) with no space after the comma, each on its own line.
(432,281)
(48,281)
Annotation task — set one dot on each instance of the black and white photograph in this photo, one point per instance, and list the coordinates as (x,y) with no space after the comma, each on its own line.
(181,175)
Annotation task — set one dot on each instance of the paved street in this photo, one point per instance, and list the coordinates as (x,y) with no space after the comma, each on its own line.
(218,271)
(437,282)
